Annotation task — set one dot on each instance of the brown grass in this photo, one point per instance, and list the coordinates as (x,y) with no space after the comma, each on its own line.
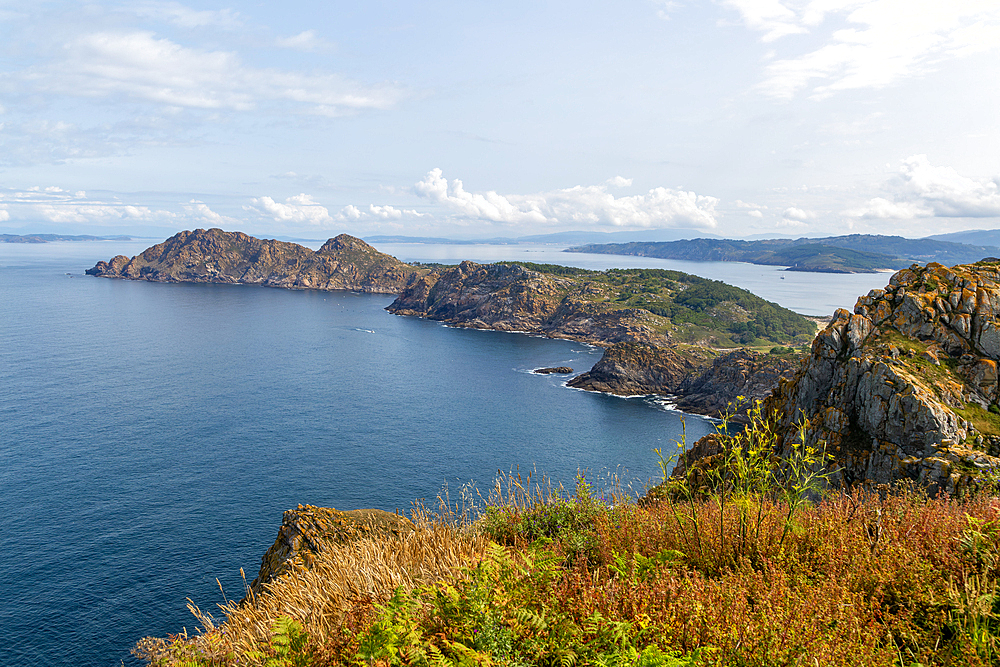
(344,585)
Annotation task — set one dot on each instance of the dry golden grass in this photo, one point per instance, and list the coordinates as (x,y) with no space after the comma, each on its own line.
(343,578)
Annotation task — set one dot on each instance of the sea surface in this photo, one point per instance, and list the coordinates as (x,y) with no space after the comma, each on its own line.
(151,435)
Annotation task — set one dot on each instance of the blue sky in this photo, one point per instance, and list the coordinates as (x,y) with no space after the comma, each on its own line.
(468,119)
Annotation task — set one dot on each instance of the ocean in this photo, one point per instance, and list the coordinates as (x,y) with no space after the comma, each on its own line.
(151,435)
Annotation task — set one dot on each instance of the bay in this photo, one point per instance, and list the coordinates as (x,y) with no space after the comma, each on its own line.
(152,434)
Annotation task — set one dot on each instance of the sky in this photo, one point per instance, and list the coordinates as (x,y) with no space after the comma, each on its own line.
(485,119)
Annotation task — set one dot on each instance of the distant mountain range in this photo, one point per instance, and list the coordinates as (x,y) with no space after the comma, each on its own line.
(855,253)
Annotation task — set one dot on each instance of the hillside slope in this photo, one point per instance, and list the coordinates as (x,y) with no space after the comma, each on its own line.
(600,307)
(852,253)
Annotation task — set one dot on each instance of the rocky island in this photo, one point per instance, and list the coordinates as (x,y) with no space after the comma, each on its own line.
(665,332)
(216,256)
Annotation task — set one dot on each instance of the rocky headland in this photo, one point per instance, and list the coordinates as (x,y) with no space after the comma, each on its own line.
(645,349)
(906,386)
(665,332)
(217,256)
(701,380)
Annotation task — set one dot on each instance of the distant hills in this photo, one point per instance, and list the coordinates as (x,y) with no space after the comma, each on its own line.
(46,238)
(854,253)
(565,238)
(972,236)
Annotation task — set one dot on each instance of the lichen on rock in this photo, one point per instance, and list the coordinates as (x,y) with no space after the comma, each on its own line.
(906,385)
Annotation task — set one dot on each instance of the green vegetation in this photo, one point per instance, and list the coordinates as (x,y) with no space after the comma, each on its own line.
(699,307)
(738,561)
(839,254)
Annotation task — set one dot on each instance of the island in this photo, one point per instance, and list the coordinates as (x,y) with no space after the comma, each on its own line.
(700,341)
(854,253)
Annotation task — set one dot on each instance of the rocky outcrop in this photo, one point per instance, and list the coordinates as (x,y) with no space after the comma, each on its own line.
(510,297)
(637,369)
(216,256)
(555,370)
(306,529)
(906,385)
(701,380)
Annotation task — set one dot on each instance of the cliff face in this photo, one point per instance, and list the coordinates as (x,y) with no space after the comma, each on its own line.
(703,381)
(635,369)
(513,298)
(216,256)
(906,386)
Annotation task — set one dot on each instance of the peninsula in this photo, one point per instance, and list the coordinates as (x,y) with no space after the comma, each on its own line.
(664,332)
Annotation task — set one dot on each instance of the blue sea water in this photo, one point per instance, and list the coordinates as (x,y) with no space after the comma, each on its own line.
(151,435)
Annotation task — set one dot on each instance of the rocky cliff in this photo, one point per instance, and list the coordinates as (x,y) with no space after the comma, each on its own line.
(510,297)
(702,380)
(906,386)
(600,307)
(216,256)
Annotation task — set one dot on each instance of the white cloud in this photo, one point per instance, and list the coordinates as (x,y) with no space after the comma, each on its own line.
(300,208)
(798,214)
(140,66)
(304,41)
(201,211)
(921,190)
(4,215)
(350,212)
(591,205)
(771,17)
(389,213)
(55,204)
(755,214)
(98,212)
(185,17)
(786,222)
(619,182)
(882,209)
(887,40)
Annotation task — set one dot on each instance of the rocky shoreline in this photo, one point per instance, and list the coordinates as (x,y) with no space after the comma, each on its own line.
(642,352)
